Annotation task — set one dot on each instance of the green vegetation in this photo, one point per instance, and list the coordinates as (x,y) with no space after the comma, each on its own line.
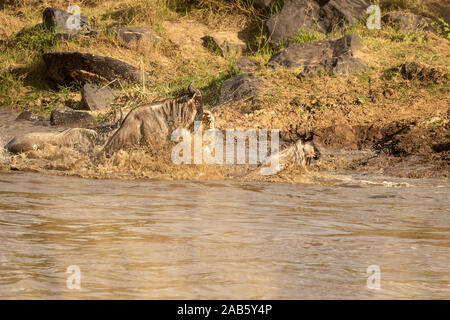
(308,36)
(443,28)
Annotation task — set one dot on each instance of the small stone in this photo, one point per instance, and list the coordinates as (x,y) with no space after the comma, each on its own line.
(243,86)
(224,43)
(96,98)
(408,21)
(36,119)
(71,118)
(319,15)
(330,56)
(24,116)
(130,36)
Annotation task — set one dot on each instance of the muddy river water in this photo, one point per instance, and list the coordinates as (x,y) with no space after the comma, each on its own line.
(241,240)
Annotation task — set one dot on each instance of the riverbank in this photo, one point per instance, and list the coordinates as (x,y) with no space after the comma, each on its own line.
(391,117)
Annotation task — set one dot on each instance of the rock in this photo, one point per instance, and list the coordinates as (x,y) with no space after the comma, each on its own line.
(65,67)
(26,116)
(294,15)
(131,36)
(56,19)
(96,98)
(408,21)
(339,13)
(330,56)
(224,43)
(78,138)
(153,124)
(262,3)
(313,14)
(240,87)
(246,64)
(71,118)
(37,119)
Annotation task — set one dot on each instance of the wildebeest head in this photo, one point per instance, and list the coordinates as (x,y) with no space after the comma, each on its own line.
(311,151)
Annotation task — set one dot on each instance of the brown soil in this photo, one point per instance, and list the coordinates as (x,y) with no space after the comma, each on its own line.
(387,133)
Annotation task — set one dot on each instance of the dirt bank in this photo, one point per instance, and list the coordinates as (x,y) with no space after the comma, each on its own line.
(390,118)
(396,126)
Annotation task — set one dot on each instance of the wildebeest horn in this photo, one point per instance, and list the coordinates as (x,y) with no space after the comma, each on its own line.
(191,87)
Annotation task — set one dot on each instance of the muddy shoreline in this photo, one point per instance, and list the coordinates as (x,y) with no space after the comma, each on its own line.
(402,149)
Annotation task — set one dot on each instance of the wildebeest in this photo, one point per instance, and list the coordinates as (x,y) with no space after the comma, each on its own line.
(77,138)
(155,122)
(143,125)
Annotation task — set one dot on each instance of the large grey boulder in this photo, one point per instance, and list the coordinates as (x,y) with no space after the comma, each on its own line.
(321,15)
(96,98)
(329,56)
(295,15)
(408,21)
(65,67)
(56,19)
(70,118)
(77,138)
(240,87)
